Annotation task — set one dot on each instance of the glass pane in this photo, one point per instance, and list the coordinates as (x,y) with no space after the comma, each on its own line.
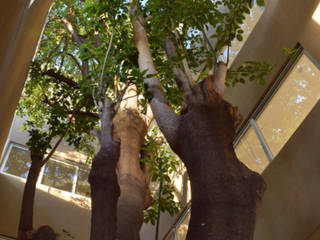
(250,152)
(18,163)
(58,175)
(291,104)
(182,228)
(83,186)
(247,27)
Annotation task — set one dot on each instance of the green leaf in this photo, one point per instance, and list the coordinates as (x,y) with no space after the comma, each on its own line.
(260,3)
(239,37)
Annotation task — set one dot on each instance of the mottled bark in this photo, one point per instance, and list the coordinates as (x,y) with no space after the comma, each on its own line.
(225,193)
(103,180)
(131,128)
(25,229)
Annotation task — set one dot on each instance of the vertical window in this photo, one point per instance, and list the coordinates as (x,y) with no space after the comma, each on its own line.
(83,186)
(281,115)
(250,151)
(290,105)
(18,162)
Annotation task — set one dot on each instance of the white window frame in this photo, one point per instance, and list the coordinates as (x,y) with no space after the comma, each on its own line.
(267,98)
(65,162)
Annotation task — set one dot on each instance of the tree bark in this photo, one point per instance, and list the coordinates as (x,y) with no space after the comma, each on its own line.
(103,180)
(225,193)
(131,127)
(26,215)
(25,229)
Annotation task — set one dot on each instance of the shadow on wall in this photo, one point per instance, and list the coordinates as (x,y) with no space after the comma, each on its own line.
(290,208)
(64,216)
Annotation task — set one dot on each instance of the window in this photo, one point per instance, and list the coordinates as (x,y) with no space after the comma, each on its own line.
(19,163)
(247,27)
(63,175)
(282,113)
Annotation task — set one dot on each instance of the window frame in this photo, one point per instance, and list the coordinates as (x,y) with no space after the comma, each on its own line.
(77,167)
(274,87)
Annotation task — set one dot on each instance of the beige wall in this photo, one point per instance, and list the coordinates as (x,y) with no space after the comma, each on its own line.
(290,208)
(20,26)
(283,24)
(58,209)
(49,210)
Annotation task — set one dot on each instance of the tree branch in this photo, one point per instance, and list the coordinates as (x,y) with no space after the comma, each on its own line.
(52,150)
(145,58)
(181,78)
(220,77)
(60,77)
(166,118)
(75,60)
(76,36)
(89,114)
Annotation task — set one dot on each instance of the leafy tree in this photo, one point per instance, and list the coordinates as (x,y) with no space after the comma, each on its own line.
(98,59)
(87,60)
(225,192)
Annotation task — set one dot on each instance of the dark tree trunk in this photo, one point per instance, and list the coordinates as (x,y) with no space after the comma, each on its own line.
(25,230)
(26,215)
(104,193)
(103,181)
(225,193)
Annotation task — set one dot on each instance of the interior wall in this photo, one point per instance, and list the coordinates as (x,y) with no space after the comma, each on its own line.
(290,207)
(282,25)
(48,210)
(21,24)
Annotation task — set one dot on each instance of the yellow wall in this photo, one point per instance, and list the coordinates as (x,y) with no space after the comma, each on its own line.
(20,26)
(49,210)
(290,208)
(282,25)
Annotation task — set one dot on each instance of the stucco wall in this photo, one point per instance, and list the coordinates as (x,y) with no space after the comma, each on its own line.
(283,24)
(49,210)
(290,208)
(20,26)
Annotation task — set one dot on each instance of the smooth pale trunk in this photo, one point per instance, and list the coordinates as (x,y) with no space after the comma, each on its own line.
(131,128)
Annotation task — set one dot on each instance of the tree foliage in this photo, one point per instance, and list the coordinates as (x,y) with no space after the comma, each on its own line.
(61,94)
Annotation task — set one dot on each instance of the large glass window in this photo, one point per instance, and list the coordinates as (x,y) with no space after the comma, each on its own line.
(291,103)
(296,95)
(59,174)
(250,151)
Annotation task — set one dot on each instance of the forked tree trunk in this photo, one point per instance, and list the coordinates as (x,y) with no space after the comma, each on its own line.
(25,229)
(225,193)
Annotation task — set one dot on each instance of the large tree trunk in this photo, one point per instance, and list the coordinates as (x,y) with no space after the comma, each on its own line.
(25,230)
(225,193)
(131,127)
(103,180)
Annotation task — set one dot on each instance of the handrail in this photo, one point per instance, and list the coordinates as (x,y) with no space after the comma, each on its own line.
(179,219)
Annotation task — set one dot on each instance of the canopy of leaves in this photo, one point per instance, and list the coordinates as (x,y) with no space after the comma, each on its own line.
(68,75)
